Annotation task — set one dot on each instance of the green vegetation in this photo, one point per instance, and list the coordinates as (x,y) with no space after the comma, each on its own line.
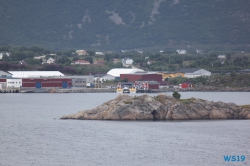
(82,24)
(176,95)
(187,101)
(226,71)
(128,102)
(160,98)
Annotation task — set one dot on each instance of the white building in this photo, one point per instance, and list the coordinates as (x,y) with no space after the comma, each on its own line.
(99,53)
(81,62)
(181,51)
(103,77)
(117,71)
(127,61)
(81,52)
(222,58)
(40,57)
(14,83)
(49,61)
(4,74)
(35,74)
(2,54)
(194,72)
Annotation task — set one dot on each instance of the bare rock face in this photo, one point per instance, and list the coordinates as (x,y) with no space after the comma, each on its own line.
(161,107)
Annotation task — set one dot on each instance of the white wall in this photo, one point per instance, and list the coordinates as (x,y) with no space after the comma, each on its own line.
(14,83)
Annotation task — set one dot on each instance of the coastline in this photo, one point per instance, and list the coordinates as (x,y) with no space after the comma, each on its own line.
(108,90)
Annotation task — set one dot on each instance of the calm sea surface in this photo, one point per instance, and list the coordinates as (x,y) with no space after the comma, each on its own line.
(31,134)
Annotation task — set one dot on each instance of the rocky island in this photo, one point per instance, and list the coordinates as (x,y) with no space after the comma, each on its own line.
(162,107)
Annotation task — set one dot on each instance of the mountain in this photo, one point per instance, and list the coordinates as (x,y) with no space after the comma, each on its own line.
(126,24)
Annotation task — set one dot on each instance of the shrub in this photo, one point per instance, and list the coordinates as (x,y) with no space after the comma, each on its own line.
(176,95)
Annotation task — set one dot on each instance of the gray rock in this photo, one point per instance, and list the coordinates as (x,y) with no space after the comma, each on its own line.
(161,107)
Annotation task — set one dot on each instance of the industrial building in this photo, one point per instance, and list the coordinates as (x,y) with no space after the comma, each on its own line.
(80,81)
(4,74)
(46,83)
(141,77)
(118,71)
(35,74)
(194,72)
(13,83)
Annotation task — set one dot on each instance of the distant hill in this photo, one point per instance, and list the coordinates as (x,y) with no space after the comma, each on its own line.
(126,24)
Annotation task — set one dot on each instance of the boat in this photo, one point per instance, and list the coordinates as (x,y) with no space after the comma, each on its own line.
(125,90)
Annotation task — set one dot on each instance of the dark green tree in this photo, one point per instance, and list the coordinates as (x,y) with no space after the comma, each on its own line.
(176,95)
(90,59)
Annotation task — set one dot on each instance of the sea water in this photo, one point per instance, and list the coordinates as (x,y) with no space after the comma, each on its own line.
(31,134)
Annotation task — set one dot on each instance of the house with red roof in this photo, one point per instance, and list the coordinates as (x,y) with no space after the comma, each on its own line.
(81,62)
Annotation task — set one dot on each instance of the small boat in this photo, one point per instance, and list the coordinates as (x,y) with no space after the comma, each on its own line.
(125,90)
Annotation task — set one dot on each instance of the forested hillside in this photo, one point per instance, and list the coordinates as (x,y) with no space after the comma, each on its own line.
(126,24)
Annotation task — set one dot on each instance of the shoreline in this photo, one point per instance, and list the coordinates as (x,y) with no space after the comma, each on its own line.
(104,90)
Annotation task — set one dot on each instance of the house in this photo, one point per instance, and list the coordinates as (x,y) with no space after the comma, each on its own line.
(222,58)
(127,61)
(199,51)
(99,62)
(116,60)
(2,54)
(194,72)
(49,61)
(99,53)
(22,62)
(81,62)
(81,52)
(40,57)
(181,51)
(150,62)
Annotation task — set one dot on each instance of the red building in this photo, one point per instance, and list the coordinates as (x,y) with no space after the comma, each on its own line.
(141,77)
(3,80)
(46,82)
(184,85)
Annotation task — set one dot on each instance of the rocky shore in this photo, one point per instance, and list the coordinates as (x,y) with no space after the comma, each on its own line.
(162,107)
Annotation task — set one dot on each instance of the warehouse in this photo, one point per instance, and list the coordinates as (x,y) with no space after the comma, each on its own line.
(4,74)
(2,83)
(46,83)
(118,71)
(35,74)
(80,81)
(14,83)
(141,77)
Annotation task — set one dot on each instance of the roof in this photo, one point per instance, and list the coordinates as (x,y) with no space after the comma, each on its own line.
(117,71)
(245,70)
(82,61)
(4,73)
(99,75)
(188,70)
(35,74)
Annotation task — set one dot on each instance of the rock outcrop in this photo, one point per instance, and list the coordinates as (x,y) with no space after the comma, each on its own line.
(162,107)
